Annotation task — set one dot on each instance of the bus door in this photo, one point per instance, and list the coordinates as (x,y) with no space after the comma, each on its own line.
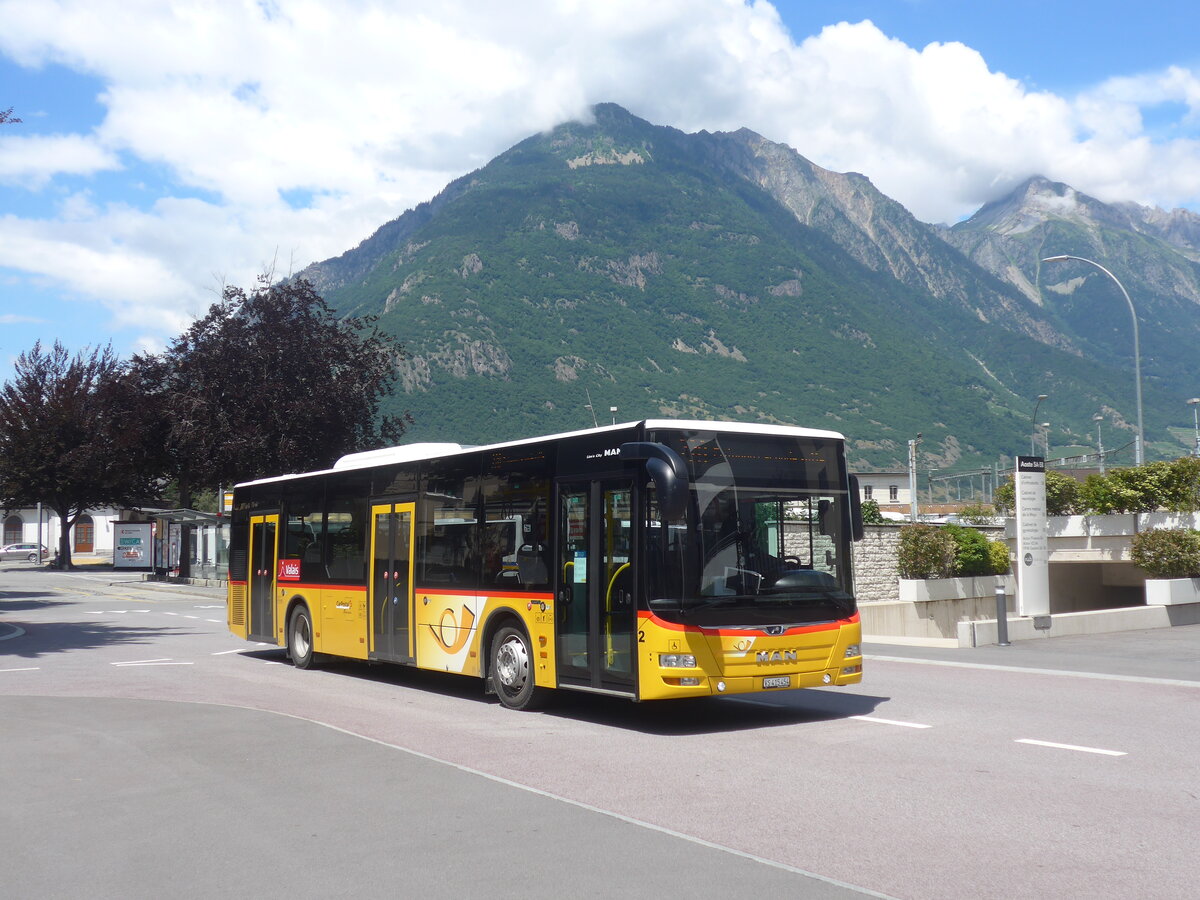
(392,527)
(596,617)
(262,577)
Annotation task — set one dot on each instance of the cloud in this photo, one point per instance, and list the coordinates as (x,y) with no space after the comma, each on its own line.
(372,108)
(33,161)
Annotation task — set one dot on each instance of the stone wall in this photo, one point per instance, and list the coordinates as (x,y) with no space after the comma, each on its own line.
(875,573)
(876,567)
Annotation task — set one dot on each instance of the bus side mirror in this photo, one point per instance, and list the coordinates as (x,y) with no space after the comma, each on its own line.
(667,470)
(856,520)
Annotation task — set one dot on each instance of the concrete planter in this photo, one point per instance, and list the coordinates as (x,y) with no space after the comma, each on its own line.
(1172,591)
(914,590)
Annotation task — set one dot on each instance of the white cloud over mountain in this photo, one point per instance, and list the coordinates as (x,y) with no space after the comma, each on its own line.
(299,128)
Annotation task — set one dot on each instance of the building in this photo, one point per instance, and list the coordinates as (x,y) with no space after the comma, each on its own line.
(92,534)
(888,489)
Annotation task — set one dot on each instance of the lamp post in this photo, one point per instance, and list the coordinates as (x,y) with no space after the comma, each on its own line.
(1099,419)
(1044,427)
(1033,426)
(1139,449)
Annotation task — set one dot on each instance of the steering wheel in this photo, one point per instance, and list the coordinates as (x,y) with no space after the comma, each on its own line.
(794,561)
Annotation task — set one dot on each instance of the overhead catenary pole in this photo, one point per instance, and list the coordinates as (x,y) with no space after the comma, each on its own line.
(1139,447)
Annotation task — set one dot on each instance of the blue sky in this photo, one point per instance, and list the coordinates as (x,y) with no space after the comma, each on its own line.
(167,149)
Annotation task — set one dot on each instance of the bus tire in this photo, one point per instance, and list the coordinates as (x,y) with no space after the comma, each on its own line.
(300,638)
(512,670)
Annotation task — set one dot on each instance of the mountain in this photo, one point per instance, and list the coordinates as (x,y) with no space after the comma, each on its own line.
(711,276)
(1155,254)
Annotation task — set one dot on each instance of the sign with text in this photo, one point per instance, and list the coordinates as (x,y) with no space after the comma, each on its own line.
(132,545)
(1033,543)
(289,570)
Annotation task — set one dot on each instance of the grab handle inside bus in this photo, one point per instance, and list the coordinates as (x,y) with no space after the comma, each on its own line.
(669,473)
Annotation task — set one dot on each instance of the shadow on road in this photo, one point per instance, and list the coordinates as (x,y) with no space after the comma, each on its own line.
(44,638)
(19,601)
(702,715)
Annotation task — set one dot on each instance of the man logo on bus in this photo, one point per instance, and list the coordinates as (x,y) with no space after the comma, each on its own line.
(772,656)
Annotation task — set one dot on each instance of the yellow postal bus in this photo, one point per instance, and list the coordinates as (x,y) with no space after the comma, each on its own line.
(649,560)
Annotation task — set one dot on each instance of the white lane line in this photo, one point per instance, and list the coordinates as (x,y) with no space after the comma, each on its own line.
(227,652)
(26,669)
(890,722)
(165,661)
(1071,747)
(216,621)
(1099,676)
(211,606)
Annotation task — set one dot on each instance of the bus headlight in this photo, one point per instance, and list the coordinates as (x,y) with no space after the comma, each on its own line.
(853,650)
(677,661)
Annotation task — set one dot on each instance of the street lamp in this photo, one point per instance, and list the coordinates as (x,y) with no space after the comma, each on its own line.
(1194,403)
(1139,447)
(1099,419)
(1045,427)
(1033,427)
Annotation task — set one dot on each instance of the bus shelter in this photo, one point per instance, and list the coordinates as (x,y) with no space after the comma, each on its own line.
(191,544)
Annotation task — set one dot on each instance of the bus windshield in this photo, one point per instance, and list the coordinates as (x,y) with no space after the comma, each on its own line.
(766,537)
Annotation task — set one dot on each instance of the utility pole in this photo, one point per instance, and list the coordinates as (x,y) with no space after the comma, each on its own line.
(912,476)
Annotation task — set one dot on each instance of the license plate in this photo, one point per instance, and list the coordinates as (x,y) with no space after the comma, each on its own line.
(777,681)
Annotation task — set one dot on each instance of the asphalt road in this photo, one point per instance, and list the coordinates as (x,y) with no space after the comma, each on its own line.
(146,751)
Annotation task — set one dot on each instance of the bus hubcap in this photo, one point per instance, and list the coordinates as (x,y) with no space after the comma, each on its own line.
(512,663)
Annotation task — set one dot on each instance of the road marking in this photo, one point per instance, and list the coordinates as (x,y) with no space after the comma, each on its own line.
(216,621)
(1071,747)
(1099,676)
(151,662)
(890,722)
(227,652)
(191,617)
(26,669)
(211,606)
(578,804)
(115,612)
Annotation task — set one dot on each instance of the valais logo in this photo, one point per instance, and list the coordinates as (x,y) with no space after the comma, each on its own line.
(289,570)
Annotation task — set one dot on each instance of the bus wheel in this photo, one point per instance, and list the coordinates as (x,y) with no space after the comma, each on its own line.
(512,670)
(300,639)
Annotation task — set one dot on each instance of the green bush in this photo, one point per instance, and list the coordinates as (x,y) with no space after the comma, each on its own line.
(1063,496)
(925,552)
(977,514)
(998,552)
(971,554)
(1168,553)
(871,514)
(1173,486)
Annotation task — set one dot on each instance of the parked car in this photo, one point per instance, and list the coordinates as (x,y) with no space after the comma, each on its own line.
(23,551)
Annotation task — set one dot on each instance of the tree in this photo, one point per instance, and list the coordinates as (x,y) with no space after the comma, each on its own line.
(7,118)
(269,382)
(71,436)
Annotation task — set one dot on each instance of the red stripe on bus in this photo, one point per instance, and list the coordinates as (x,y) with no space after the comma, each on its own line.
(696,629)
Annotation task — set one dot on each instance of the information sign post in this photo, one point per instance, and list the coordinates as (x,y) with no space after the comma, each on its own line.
(1033,546)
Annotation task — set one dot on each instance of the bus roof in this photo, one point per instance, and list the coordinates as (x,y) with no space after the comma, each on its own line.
(422,451)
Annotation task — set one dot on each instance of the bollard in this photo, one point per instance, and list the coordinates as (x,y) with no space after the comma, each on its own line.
(1001,616)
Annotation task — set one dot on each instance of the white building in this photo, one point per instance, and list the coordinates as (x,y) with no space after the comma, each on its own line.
(888,489)
(92,534)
